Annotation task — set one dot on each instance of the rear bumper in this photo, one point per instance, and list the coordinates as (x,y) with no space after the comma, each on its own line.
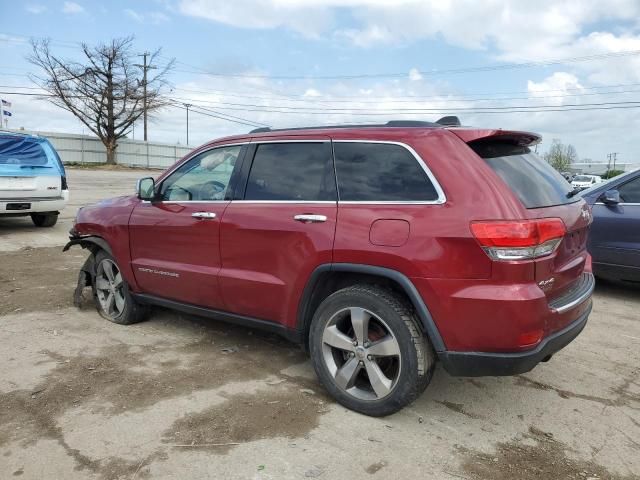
(26,205)
(478,364)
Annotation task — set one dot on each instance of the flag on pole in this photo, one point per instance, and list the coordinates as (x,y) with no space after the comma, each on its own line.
(7,113)
(5,103)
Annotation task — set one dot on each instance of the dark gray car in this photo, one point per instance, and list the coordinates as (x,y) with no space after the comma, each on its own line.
(614,239)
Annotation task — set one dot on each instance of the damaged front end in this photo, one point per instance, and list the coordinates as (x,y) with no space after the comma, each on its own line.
(87,274)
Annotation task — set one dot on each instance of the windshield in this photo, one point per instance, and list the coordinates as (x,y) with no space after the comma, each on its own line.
(533,180)
(582,178)
(22,151)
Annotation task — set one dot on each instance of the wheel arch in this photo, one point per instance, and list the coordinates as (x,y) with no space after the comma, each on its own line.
(89,242)
(328,278)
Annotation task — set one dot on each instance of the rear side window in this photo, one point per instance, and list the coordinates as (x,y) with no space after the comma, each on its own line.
(630,191)
(300,171)
(378,172)
(533,180)
(20,151)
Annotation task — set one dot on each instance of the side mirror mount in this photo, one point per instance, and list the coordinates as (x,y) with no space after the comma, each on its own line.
(145,188)
(610,197)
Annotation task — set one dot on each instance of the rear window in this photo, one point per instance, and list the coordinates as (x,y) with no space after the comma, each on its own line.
(533,180)
(21,151)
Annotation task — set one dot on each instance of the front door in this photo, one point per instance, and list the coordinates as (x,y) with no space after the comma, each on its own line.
(280,229)
(615,233)
(175,241)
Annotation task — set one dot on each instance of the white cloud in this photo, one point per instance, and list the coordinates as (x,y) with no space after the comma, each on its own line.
(554,88)
(132,14)
(508,30)
(415,75)
(72,8)
(310,20)
(36,9)
(155,18)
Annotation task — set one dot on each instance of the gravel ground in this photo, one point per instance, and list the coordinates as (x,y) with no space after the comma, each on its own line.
(184,397)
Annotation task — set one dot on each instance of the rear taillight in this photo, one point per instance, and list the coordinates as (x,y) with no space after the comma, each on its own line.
(64,185)
(519,239)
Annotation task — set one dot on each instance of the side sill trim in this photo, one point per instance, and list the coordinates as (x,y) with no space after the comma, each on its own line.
(277,328)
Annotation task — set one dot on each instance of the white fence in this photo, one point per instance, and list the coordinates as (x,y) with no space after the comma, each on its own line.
(76,148)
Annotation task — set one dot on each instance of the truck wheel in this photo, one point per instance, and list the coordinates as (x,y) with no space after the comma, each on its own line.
(44,219)
(111,293)
(368,350)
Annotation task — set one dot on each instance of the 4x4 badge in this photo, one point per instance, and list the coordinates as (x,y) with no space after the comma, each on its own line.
(546,284)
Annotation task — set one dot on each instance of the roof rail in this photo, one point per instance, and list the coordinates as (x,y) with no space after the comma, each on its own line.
(444,121)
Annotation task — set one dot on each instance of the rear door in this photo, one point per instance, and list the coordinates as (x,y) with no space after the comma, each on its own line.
(175,241)
(615,235)
(281,227)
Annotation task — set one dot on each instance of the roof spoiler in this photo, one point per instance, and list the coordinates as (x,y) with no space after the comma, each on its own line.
(523,139)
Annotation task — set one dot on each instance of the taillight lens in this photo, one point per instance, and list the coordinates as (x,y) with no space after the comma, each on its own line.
(519,239)
(63,183)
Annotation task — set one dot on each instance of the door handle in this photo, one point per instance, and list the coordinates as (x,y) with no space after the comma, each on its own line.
(310,218)
(203,215)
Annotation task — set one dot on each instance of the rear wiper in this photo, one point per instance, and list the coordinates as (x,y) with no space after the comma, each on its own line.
(573,192)
(36,166)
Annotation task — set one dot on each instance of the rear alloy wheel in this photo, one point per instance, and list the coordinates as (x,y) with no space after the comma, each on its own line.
(113,300)
(44,219)
(368,350)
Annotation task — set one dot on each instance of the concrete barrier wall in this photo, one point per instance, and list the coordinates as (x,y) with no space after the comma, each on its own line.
(76,148)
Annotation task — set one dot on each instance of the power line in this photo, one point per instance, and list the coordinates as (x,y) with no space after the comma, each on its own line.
(452,71)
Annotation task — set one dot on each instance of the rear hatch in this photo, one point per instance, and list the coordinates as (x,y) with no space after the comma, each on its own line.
(544,193)
(29,169)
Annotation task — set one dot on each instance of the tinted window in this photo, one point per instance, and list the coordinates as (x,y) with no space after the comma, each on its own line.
(630,191)
(204,177)
(533,180)
(292,171)
(377,172)
(21,151)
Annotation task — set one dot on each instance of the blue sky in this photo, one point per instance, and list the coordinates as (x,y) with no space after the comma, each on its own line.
(416,40)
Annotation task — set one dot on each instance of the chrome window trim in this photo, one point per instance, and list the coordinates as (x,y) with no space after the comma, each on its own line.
(633,204)
(319,140)
(442,198)
(317,202)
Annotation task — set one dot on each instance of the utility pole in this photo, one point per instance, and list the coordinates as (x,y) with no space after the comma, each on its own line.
(144,67)
(187,105)
(615,156)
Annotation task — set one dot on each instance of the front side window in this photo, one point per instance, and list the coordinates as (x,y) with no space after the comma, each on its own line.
(203,178)
(378,172)
(300,171)
(630,191)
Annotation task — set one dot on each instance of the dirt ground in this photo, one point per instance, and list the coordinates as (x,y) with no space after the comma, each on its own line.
(185,397)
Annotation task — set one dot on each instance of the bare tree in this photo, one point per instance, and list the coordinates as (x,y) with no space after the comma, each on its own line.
(105,90)
(561,156)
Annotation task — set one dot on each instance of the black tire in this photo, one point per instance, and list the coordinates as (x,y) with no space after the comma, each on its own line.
(124,312)
(44,219)
(413,365)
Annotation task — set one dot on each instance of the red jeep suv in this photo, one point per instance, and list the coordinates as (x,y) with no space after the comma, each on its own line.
(382,249)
